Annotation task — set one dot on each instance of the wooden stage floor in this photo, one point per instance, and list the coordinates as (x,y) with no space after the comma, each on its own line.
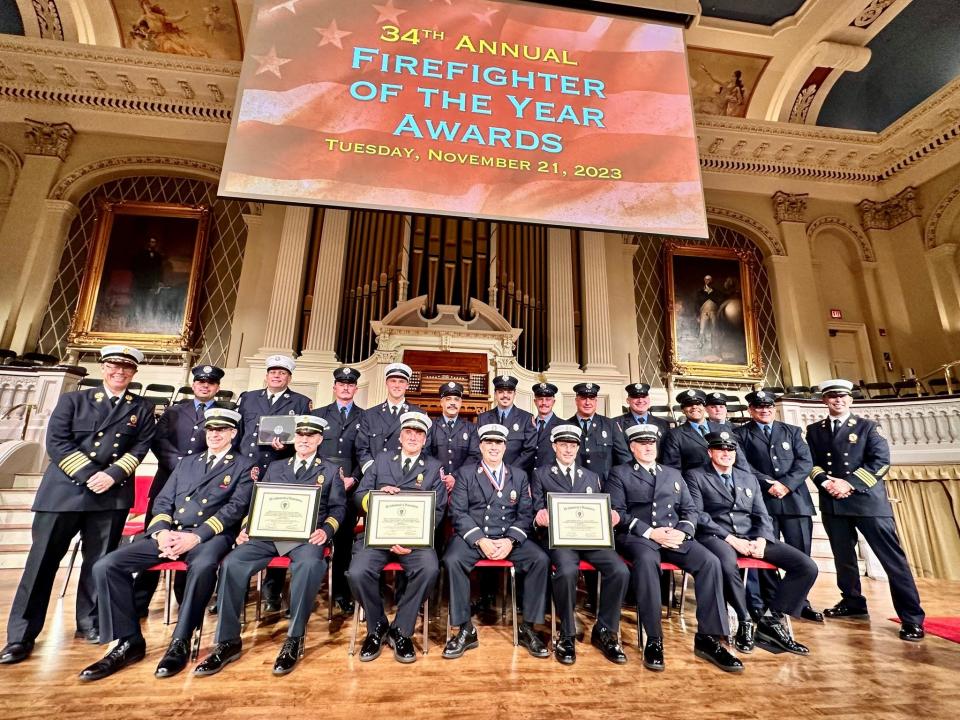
(856,669)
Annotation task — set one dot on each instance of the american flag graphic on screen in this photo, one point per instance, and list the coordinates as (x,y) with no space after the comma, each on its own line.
(480,109)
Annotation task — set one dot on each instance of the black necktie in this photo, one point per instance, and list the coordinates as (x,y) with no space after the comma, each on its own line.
(200,408)
(273,399)
(836,426)
(766,431)
(727,480)
(406,465)
(211,461)
(301,470)
(568,476)
(702,429)
(343,416)
(114,400)
(539,425)
(503,418)
(583,424)
(393,411)
(653,472)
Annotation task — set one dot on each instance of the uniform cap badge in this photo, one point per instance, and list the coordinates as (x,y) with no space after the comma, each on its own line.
(724,435)
(691,393)
(207,369)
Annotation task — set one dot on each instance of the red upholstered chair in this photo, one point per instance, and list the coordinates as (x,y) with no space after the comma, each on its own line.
(358,612)
(133,526)
(282,561)
(671,568)
(504,565)
(168,569)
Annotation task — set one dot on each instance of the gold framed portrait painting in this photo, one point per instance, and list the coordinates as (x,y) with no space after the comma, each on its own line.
(711,325)
(143,276)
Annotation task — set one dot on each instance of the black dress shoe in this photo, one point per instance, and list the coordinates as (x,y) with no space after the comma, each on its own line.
(125,653)
(290,653)
(16,652)
(373,643)
(744,638)
(174,660)
(465,639)
(91,635)
(345,605)
(403,649)
(271,605)
(565,649)
(528,638)
(653,655)
(709,648)
(811,615)
(223,654)
(841,610)
(609,645)
(773,636)
(911,632)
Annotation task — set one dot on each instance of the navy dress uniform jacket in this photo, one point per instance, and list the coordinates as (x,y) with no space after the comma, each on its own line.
(180,433)
(86,435)
(205,502)
(684,448)
(255,404)
(740,513)
(339,444)
(380,432)
(321,473)
(455,447)
(521,439)
(785,458)
(544,454)
(859,454)
(645,502)
(550,478)
(628,420)
(602,446)
(478,510)
(425,474)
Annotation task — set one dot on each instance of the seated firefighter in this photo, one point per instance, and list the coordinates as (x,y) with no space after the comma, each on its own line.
(308,562)
(734,523)
(492,514)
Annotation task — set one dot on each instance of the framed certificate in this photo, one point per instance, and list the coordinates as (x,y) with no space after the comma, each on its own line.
(579,521)
(400,519)
(280,427)
(283,512)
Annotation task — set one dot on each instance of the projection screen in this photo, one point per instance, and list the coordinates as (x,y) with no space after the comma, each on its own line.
(499,110)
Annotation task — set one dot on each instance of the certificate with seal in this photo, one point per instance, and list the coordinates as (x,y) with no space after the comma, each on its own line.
(279,427)
(400,519)
(283,512)
(579,521)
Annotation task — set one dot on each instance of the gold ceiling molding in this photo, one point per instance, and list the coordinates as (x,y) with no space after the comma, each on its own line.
(864,245)
(888,214)
(77,182)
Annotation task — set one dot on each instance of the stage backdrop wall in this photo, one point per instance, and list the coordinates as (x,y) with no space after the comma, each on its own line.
(228,237)
(648,291)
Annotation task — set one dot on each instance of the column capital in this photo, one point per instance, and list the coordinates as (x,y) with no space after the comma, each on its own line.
(888,214)
(49,139)
(789,207)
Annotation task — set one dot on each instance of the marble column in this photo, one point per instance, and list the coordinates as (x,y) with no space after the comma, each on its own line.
(287,289)
(597,345)
(23,229)
(562,338)
(321,339)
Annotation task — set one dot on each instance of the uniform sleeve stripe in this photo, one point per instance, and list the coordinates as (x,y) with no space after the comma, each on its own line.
(686,522)
(882,471)
(471,530)
(73,462)
(514,527)
(162,518)
(632,523)
(868,479)
(815,471)
(214,524)
(332,522)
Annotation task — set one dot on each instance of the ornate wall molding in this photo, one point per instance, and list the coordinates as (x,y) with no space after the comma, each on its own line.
(930,232)
(50,139)
(864,245)
(870,13)
(888,214)
(768,242)
(12,162)
(77,182)
(789,207)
